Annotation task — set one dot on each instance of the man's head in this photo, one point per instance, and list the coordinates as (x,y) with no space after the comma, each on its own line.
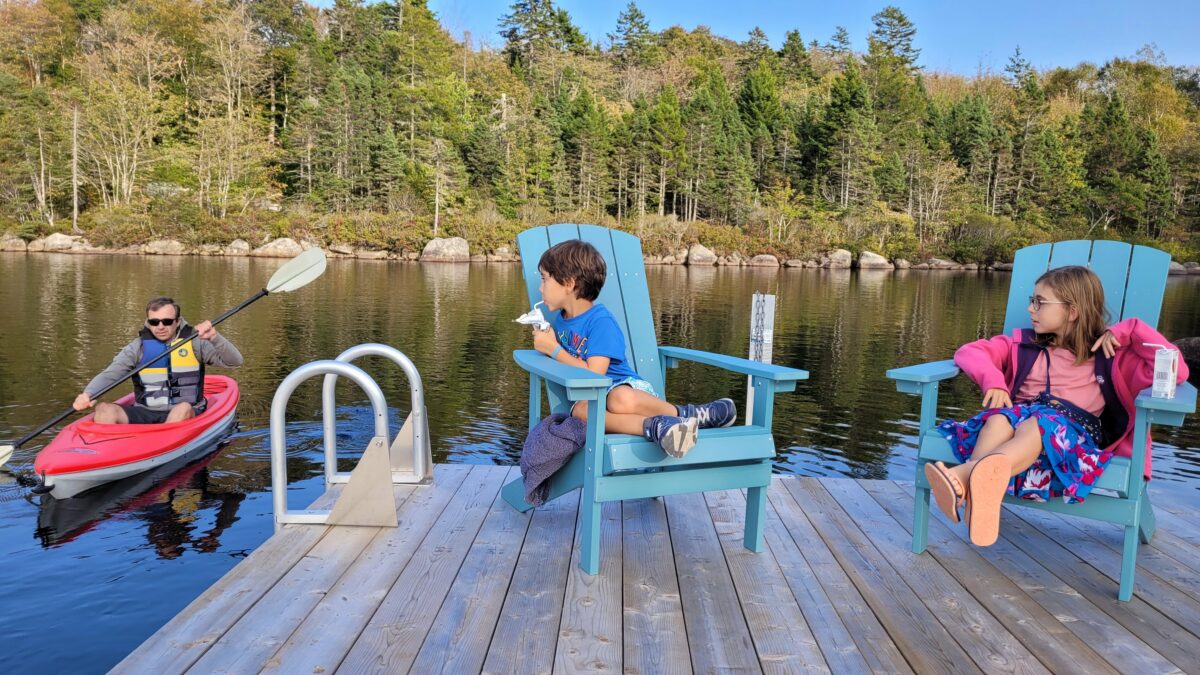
(162,318)
(576,266)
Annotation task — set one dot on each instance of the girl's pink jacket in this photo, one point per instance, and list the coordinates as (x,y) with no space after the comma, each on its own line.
(992,364)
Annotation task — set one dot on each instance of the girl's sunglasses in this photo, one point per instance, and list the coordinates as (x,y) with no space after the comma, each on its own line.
(155,322)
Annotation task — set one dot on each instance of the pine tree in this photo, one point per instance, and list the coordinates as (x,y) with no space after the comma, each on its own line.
(895,34)
(633,42)
(762,115)
(795,62)
(848,142)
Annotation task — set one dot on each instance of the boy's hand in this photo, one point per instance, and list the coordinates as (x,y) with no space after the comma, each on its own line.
(1107,342)
(544,341)
(997,398)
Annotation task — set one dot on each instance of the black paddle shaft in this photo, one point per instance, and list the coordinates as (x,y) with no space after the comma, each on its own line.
(249,301)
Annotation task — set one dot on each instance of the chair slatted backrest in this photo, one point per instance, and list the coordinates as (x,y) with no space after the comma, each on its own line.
(1134,277)
(625,291)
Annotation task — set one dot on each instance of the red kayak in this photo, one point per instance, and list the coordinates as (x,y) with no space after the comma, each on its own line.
(86,454)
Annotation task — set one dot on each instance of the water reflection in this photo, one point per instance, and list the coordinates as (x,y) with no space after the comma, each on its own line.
(167,499)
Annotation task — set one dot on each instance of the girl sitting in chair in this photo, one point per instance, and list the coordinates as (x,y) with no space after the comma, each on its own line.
(1059,402)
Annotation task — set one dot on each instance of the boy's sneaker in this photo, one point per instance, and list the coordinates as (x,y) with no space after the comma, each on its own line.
(675,435)
(720,413)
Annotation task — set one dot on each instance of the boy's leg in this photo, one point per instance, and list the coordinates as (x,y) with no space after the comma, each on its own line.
(675,435)
(714,414)
(625,400)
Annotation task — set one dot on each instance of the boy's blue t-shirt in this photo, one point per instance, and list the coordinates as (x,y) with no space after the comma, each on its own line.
(594,333)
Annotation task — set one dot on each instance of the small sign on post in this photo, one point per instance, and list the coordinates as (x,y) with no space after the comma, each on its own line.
(762,334)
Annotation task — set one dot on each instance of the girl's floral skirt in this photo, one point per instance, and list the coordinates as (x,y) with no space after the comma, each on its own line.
(1070,463)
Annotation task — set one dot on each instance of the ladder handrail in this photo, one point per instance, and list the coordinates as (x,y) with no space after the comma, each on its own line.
(422,462)
(279,429)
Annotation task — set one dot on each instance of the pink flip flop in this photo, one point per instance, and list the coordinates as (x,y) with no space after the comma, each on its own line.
(985,494)
(943,485)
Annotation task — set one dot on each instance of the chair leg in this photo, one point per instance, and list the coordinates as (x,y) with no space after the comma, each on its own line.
(589,535)
(1146,531)
(756,516)
(514,494)
(920,531)
(1129,561)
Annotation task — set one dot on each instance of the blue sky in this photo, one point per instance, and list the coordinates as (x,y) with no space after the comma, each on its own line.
(960,37)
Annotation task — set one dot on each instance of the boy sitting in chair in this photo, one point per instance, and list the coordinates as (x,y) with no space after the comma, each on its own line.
(586,335)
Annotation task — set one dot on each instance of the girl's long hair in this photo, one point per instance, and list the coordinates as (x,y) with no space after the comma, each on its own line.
(1080,287)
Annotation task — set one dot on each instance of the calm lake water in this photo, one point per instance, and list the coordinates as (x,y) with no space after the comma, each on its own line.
(88,579)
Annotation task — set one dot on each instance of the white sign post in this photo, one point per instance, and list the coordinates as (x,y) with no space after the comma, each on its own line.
(762,334)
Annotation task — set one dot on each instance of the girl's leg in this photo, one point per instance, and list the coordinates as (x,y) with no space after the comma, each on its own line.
(996,431)
(990,477)
(1024,448)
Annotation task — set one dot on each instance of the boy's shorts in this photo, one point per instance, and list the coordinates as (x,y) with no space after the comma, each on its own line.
(637,383)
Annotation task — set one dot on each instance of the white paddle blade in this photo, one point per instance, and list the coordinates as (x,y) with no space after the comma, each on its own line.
(298,272)
(6,451)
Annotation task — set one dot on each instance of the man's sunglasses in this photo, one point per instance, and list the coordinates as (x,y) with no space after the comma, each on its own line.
(155,322)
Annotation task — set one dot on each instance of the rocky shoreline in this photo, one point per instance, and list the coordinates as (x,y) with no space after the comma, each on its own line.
(457,250)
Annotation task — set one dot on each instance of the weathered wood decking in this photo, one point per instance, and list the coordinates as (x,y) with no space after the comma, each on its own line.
(466,584)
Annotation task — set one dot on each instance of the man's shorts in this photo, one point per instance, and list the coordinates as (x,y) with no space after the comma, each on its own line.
(141,415)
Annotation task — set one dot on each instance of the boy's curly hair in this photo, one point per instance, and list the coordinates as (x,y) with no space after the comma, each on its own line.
(578,260)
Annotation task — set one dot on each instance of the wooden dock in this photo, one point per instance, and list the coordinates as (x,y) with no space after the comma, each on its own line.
(466,584)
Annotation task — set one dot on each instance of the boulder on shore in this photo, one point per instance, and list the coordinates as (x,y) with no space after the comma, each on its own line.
(283,247)
(11,243)
(838,259)
(165,247)
(868,260)
(55,242)
(450,249)
(764,260)
(699,254)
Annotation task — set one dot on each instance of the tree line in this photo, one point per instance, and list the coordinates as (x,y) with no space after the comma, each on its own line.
(370,124)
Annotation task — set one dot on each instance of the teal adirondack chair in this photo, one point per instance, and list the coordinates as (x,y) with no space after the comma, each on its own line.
(1134,278)
(612,467)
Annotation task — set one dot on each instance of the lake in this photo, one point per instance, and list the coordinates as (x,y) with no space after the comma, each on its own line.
(89,578)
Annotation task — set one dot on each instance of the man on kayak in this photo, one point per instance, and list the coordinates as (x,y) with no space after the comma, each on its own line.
(172,389)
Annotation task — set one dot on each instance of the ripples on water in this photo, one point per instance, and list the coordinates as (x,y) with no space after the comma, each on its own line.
(125,558)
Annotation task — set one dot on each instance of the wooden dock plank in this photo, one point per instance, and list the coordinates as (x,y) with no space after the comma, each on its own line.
(919,635)
(782,637)
(1113,641)
(1039,630)
(717,631)
(985,638)
(850,635)
(654,639)
(391,639)
(527,630)
(466,584)
(187,636)
(589,635)
(1168,599)
(257,635)
(458,640)
(313,646)
(1152,558)
(1138,616)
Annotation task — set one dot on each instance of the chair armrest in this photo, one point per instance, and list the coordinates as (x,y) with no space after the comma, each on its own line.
(1168,410)
(671,355)
(934,371)
(580,383)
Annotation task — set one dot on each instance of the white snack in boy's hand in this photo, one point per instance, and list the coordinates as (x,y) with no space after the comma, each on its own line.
(1166,370)
(534,317)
